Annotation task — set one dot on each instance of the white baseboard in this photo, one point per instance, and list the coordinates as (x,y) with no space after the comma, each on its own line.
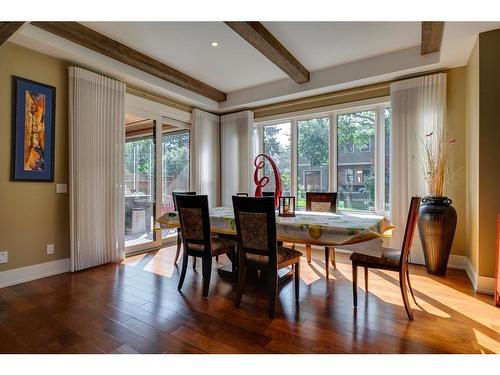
(457,262)
(486,285)
(471,273)
(37,271)
(481,284)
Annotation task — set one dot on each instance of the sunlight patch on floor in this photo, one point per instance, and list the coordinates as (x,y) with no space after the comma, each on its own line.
(134,260)
(487,342)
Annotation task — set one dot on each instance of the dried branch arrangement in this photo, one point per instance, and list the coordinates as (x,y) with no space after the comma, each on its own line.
(435,161)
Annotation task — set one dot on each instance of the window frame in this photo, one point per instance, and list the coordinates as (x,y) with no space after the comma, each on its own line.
(377,105)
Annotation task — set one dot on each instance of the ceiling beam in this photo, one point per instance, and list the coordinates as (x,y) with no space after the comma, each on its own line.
(7,29)
(88,38)
(258,36)
(432,34)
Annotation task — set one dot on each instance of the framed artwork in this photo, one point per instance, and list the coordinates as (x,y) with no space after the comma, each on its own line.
(33,121)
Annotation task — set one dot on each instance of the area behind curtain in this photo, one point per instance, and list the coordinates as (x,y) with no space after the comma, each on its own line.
(205,155)
(418,108)
(236,155)
(96,147)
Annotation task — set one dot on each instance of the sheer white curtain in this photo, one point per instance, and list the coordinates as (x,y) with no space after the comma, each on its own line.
(236,155)
(96,144)
(418,108)
(205,155)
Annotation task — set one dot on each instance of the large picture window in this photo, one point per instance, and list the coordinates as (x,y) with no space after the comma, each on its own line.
(358,129)
(313,155)
(277,144)
(345,150)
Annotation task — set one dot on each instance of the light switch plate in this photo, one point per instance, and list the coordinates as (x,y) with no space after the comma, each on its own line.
(61,188)
(4,257)
(50,249)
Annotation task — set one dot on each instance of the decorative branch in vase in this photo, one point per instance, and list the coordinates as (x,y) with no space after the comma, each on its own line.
(437,219)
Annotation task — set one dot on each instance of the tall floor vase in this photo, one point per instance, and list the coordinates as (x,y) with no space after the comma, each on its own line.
(436,225)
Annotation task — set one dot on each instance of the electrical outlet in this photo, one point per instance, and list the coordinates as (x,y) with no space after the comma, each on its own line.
(4,257)
(61,188)
(50,249)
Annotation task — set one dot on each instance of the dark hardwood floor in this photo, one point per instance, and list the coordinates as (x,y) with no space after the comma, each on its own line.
(134,307)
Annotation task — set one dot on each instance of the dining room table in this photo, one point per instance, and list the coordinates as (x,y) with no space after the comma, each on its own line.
(306,227)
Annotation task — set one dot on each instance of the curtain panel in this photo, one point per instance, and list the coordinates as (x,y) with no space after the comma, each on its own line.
(96,148)
(205,155)
(418,108)
(236,155)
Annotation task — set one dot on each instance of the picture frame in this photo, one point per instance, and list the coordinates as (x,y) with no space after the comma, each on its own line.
(33,130)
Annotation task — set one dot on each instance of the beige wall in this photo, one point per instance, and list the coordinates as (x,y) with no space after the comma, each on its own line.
(32,215)
(472,157)
(489,148)
(456,128)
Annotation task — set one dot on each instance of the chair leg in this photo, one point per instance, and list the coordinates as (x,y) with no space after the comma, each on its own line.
(206,265)
(404,294)
(178,248)
(308,253)
(366,279)
(297,280)
(327,262)
(409,285)
(273,291)
(194,263)
(355,285)
(242,272)
(332,257)
(233,259)
(185,259)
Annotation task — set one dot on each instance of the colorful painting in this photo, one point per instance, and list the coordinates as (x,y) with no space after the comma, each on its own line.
(33,131)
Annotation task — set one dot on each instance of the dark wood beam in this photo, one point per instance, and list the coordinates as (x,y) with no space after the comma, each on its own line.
(7,29)
(102,44)
(258,36)
(432,34)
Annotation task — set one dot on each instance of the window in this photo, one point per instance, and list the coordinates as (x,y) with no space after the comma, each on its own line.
(346,151)
(313,180)
(312,154)
(356,128)
(277,145)
(387,157)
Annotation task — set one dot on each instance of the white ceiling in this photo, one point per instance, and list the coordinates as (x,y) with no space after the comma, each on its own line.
(233,65)
(319,45)
(339,55)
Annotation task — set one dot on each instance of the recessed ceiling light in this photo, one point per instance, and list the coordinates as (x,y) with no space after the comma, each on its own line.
(214,43)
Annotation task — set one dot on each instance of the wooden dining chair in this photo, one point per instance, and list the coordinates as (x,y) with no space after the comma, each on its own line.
(391,259)
(257,246)
(179,230)
(322,202)
(197,239)
(268,193)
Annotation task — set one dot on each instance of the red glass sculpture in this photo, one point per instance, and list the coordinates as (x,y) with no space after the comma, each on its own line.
(264,180)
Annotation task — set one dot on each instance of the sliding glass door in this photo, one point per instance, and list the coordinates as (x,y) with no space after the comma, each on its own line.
(175,169)
(140,186)
(156,164)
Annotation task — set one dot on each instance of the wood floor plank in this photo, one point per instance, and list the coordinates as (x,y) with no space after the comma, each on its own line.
(134,307)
